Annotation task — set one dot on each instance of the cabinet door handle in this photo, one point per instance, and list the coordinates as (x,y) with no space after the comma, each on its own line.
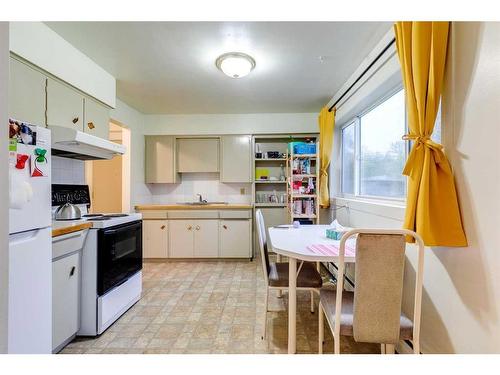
(189,227)
(75,120)
(224,226)
(162,227)
(72,272)
(197,227)
(90,125)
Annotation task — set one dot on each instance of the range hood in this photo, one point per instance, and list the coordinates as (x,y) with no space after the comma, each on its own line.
(74,144)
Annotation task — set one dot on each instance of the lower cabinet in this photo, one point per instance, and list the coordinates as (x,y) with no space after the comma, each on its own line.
(65,298)
(155,238)
(206,238)
(235,238)
(197,234)
(194,238)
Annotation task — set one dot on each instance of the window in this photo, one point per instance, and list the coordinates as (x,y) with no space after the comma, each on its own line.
(373,153)
(348,158)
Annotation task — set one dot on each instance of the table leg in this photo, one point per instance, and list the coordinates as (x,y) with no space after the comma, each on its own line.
(292,305)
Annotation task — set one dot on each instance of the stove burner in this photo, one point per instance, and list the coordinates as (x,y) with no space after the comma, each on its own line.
(92,215)
(116,215)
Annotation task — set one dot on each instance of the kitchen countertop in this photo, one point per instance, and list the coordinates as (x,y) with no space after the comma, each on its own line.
(64,227)
(167,207)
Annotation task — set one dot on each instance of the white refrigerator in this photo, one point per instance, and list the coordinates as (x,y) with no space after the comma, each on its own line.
(30,240)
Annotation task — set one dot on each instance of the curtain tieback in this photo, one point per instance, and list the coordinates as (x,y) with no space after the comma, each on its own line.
(421,141)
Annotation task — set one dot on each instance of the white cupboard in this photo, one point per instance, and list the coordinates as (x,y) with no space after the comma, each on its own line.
(65,298)
(235,238)
(194,238)
(197,155)
(155,238)
(64,106)
(26,93)
(96,119)
(160,160)
(236,159)
(206,238)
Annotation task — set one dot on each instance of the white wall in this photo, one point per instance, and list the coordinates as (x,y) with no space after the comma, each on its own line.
(134,121)
(461,299)
(140,125)
(4,180)
(258,123)
(39,44)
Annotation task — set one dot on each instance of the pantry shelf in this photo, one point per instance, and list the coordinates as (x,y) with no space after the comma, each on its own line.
(270,204)
(270,182)
(297,176)
(270,159)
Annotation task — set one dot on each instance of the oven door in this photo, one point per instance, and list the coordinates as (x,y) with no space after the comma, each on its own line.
(119,255)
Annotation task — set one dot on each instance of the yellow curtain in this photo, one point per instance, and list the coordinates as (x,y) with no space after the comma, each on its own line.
(326,121)
(432,206)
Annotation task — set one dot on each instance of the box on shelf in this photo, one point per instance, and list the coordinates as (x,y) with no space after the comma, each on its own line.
(261,174)
(301,148)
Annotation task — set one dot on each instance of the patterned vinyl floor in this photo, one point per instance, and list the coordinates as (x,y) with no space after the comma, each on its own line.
(209,307)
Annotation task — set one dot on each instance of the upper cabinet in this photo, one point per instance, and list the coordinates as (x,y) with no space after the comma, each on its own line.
(96,120)
(69,108)
(26,93)
(197,155)
(236,158)
(64,106)
(160,159)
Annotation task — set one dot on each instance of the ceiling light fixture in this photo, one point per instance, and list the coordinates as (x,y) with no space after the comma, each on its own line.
(235,64)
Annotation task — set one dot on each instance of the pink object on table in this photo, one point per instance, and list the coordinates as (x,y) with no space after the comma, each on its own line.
(330,250)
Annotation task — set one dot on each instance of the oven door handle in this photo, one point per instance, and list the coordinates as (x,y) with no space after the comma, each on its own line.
(134,226)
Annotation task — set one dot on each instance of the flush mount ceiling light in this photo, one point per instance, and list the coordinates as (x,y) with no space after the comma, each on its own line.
(235,64)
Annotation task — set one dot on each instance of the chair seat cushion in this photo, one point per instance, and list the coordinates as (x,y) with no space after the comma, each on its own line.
(308,276)
(328,301)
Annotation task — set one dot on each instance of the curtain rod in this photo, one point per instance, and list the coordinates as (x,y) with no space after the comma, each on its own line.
(362,74)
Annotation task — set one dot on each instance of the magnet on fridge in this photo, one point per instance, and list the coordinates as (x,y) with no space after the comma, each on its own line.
(39,164)
(21,161)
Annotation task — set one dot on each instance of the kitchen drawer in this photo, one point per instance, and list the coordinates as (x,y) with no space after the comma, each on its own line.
(235,214)
(68,243)
(202,214)
(154,215)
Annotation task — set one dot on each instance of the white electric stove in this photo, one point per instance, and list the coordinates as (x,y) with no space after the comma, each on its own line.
(111,261)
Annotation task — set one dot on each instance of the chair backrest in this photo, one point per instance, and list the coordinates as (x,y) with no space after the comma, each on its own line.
(379,270)
(378,291)
(261,234)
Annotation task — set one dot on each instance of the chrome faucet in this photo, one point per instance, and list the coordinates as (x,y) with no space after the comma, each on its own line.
(200,199)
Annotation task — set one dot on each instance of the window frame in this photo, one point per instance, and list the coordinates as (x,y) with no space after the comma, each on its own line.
(356,122)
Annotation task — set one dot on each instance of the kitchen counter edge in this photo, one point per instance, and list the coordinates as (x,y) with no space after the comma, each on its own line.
(172,207)
(70,228)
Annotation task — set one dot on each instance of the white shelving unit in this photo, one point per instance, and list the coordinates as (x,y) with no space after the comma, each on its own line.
(307,193)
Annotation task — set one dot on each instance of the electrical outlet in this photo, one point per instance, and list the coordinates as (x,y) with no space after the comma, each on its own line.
(242,191)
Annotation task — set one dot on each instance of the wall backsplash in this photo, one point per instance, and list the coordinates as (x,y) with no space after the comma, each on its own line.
(206,184)
(67,171)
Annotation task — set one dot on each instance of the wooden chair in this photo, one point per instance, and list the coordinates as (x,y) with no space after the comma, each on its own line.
(372,313)
(276,273)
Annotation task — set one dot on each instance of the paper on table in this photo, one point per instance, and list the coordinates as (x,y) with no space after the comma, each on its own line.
(330,250)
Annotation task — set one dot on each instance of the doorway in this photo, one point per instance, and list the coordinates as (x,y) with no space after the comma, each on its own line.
(109,180)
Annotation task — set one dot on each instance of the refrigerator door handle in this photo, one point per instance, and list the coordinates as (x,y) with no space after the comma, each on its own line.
(19,238)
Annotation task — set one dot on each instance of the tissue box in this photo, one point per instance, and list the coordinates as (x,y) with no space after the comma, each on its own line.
(333,234)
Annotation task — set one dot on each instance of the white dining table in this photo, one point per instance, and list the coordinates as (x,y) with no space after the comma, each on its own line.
(300,244)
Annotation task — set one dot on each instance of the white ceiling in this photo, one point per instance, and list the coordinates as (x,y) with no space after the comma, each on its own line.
(169,67)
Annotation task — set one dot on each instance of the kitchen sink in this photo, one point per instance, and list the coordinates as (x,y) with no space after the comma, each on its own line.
(201,203)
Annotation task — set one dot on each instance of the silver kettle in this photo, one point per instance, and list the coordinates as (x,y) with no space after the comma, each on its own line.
(68,211)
